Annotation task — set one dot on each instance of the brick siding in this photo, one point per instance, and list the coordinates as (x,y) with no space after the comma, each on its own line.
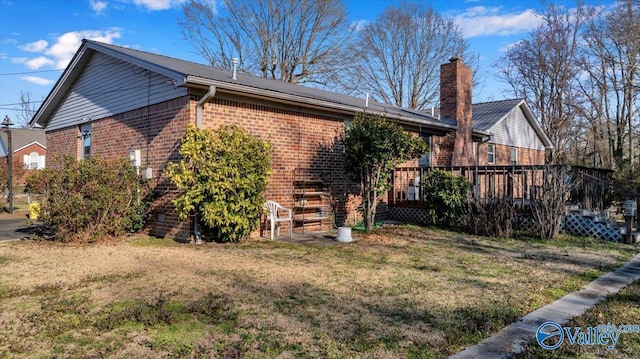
(456,82)
(299,139)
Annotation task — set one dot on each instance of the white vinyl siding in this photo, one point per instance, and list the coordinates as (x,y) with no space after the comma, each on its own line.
(109,86)
(514,130)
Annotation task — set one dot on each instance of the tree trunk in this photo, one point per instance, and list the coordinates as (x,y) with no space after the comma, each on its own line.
(371,215)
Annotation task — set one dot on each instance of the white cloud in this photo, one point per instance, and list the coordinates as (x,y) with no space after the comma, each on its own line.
(58,54)
(19,60)
(97,5)
(485,21)
(155,5)
(36,46)
(37,80)
(358,25)
(508,47)
(38,62)
(67,44)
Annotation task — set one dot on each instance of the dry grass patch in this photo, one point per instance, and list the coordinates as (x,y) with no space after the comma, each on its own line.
(401,292)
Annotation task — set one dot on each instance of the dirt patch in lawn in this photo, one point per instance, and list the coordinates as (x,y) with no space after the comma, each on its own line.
(401,292)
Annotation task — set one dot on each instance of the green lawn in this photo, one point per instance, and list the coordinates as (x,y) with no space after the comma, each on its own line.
(401,292)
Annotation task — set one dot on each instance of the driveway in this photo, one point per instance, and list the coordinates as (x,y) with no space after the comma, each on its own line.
(15,228)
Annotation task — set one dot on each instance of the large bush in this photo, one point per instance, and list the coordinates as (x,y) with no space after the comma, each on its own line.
(223,177)
(445,196)
(86,200)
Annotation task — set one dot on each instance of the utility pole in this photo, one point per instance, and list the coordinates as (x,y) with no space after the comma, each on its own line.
(5,124)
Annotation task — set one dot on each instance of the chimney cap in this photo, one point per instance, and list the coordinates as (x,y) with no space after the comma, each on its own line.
(455,59)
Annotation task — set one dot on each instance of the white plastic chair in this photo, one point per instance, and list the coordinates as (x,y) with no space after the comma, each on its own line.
(275,217)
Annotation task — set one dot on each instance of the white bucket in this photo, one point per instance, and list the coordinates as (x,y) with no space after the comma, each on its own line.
(344,234)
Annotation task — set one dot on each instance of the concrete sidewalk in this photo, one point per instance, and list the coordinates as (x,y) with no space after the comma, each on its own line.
(512,338)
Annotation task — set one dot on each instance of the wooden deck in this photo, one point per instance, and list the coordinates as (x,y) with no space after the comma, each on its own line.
(589,187)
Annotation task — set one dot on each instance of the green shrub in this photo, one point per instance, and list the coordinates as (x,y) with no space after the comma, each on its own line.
(445,196)
(85,200)
(223,176)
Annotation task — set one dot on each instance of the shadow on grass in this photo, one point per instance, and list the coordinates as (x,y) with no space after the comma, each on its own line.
(363,323)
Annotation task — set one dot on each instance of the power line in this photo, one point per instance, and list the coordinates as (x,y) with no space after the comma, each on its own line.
(28,72)
(54,70)
(21,103)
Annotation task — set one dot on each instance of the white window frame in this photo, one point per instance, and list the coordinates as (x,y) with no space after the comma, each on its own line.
(491,153)
(513,156)
(85,141)
(34,162)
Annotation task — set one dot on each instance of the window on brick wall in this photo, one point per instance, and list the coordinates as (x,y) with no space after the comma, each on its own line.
(85,137)
(491,153)
(34,160)
(514,156)
(425,160)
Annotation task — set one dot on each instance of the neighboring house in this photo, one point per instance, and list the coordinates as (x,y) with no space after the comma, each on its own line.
(29,148)
(113,101)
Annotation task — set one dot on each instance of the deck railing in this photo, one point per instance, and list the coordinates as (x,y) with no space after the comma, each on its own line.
(590,187)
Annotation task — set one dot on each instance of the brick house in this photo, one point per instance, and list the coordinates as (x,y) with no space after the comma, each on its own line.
(114,102)
(29,147)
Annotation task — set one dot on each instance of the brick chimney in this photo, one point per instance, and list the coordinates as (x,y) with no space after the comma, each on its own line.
(456,82)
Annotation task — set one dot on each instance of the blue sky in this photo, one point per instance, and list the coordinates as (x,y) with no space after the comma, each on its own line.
(39,37)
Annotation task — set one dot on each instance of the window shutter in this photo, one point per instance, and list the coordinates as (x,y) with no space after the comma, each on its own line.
(41,164)
(25,161)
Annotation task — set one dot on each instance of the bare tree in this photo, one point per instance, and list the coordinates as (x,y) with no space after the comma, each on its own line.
(401,52)
(544,69)
(28,108)
(612,67)
(289,40)
(548,203)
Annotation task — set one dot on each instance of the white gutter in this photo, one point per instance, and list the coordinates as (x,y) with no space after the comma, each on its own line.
(200,106)
(303,101)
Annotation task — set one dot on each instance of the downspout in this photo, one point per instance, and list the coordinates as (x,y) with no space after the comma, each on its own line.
(199,108)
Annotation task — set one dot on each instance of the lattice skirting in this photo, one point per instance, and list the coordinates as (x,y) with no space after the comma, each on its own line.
(583,226)
(573,224)
(408,215)
(524,222)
